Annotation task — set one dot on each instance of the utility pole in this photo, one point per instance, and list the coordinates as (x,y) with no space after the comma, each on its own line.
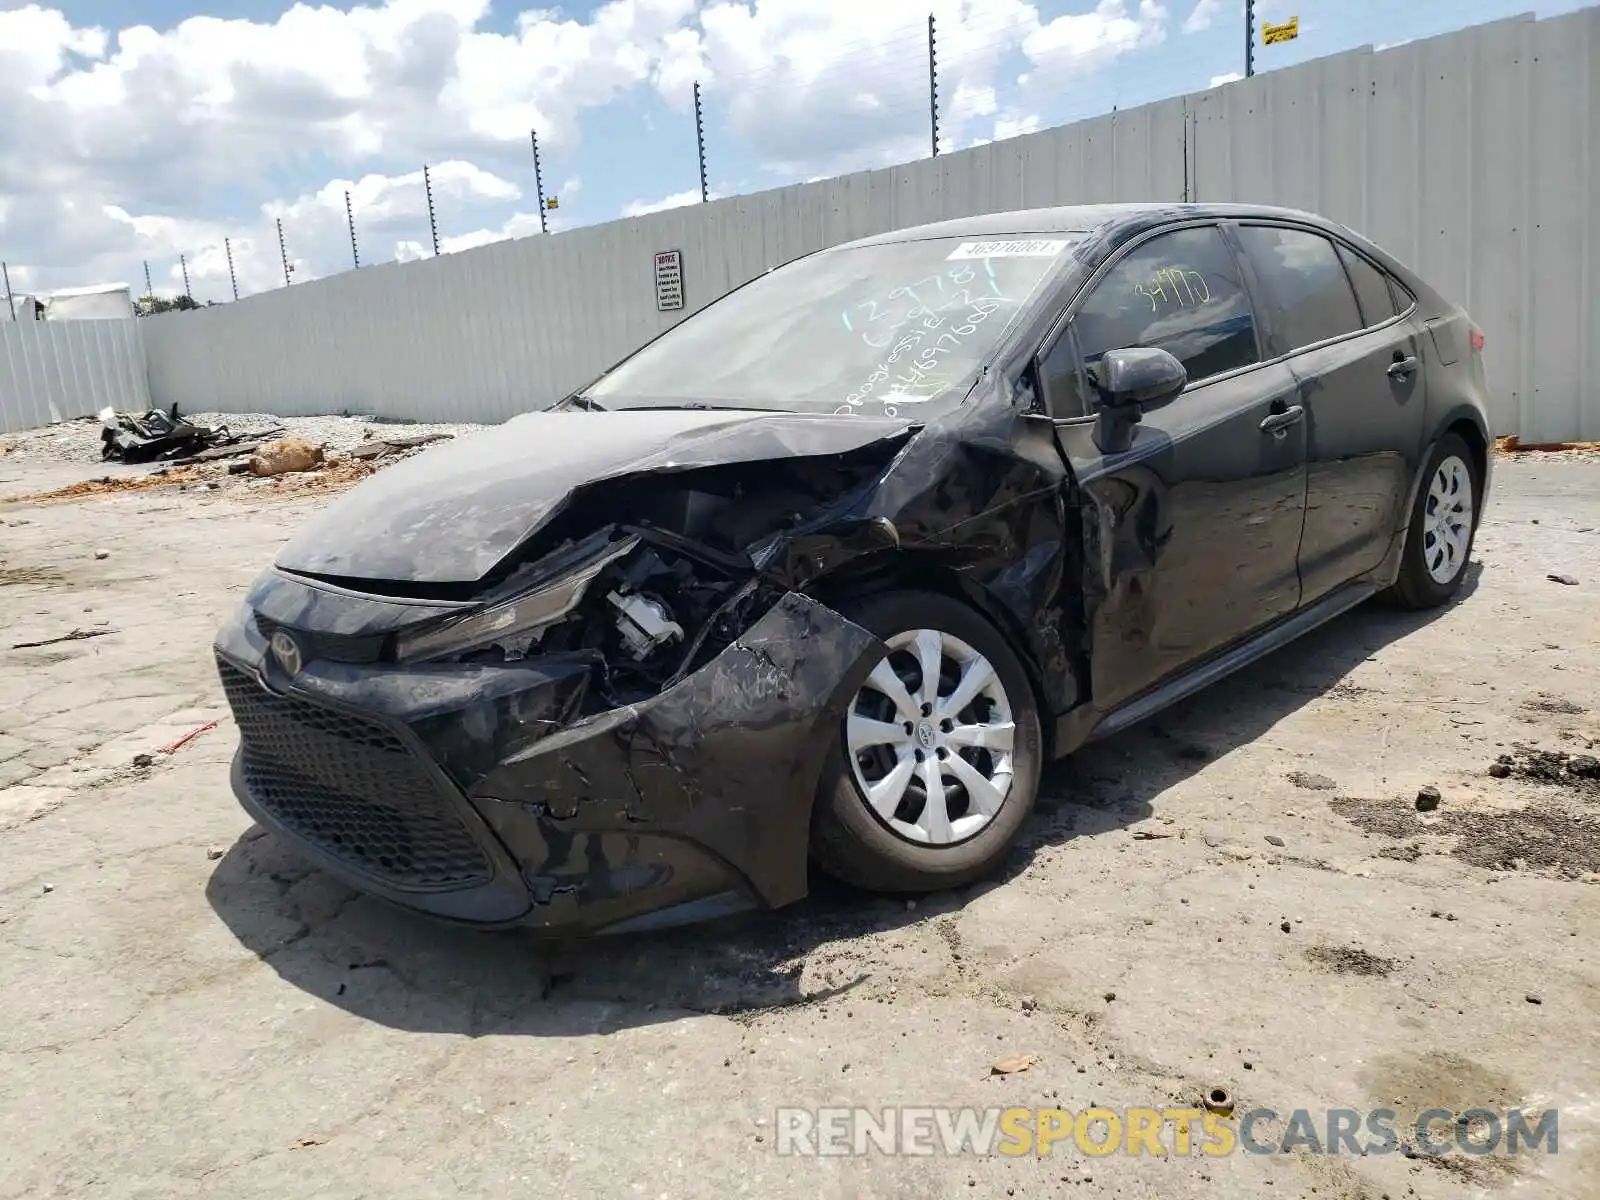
(283,253)
(227,248)
(350,220)
(933,85)
(183,266)
(149,288)
(700,141)
(433,224)
(11,304)
(1249,38)
(538,178)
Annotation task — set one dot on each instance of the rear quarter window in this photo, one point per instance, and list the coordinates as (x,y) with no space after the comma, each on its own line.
(1371,285)
(1306,291)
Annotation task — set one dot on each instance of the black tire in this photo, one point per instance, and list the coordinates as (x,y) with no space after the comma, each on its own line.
(1415,587)
(852,842)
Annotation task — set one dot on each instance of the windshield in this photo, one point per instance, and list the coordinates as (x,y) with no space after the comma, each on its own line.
(878,330)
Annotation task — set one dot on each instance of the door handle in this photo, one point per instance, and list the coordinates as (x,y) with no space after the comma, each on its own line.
(1279,421)
(1401,367)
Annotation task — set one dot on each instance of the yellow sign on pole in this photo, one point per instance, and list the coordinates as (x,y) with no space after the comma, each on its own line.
(553,202)
(1271,35)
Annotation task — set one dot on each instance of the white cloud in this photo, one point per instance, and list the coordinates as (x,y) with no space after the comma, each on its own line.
(1015,125)
(1082,41)
(391,222)
(1230,77)
(638,208)
(120,144)
(145,121)
(784,77)
(1203,15)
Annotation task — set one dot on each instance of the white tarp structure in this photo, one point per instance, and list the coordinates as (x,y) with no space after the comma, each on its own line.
(101,302)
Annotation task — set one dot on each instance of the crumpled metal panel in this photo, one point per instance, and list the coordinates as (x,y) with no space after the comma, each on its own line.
(449,516)
(727,759)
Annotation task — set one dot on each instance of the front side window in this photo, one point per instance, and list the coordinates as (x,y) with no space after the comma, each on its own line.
(1306,290)
(897,329)
(1180,292)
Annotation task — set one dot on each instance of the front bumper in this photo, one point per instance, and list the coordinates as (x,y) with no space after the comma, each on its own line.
(473,793)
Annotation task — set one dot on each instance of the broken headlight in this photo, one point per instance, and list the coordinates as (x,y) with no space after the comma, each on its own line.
(515,623)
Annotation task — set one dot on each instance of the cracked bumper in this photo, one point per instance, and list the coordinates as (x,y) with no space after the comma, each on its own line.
(472,793)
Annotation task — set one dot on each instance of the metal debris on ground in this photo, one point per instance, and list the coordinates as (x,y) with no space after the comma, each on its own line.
(77,635)
(383,447)
(1218,1100)
(180,743)
(155,436)
(1012,1064)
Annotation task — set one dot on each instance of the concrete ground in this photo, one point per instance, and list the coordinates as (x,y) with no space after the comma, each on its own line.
(1240,894)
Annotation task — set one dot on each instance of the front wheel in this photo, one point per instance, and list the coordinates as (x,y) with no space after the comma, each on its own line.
(936,764)
(1443,521)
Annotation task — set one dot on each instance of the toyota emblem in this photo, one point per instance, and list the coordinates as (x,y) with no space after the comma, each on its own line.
(287,651)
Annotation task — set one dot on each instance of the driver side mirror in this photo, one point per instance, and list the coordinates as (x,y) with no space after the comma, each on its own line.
(1127,384)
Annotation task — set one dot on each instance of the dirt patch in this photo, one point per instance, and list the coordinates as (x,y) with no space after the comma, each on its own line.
(1579,772)
(1351,960)
(1557,705)
(1347,691)
(107,485)
(41,576)
(1311,782)
(1390,817)
(1541,837)
(1412,1083)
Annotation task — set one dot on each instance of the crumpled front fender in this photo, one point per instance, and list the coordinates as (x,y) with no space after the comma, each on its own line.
(729,758)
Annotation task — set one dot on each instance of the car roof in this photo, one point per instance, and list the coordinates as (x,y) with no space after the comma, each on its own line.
(1081,218)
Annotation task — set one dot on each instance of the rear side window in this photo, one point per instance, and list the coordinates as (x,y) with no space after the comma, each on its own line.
(1372,288)
(1307,292)
(1180,292)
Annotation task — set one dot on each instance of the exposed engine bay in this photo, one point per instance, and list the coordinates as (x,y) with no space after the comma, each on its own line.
(655,597)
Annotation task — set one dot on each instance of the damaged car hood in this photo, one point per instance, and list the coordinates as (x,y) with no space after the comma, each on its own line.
(451,515)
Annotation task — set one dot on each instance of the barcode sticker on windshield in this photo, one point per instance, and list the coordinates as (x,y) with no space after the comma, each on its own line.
(1009,249)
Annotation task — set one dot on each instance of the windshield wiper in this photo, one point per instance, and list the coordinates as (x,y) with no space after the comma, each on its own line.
(577,401)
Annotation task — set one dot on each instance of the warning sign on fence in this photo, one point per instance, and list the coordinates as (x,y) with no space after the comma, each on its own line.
(1271,35)
(669,280)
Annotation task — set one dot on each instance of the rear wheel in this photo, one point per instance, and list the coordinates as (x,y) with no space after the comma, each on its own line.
(936,764)
(1439,538)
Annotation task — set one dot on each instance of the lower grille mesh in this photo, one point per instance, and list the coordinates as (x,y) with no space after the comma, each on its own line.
(351,788)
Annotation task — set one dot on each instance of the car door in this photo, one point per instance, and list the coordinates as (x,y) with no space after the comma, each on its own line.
(1191,533)
(1360,369)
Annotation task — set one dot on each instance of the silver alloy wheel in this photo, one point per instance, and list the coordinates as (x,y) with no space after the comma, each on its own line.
(1447,523)
(929,737)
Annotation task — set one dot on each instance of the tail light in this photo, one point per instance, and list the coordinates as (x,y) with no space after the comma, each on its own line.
(1476,339)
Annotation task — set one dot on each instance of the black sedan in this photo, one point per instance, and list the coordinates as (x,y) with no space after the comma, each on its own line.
(827,572)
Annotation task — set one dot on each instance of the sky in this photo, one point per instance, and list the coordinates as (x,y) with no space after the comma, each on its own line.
(133,131)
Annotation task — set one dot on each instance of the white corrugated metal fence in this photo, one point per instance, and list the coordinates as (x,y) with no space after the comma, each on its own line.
(54,370)
(1471,156)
